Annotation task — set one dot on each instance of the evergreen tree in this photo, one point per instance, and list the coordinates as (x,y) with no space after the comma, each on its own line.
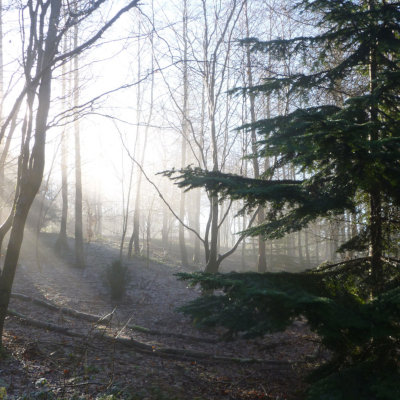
(348,156)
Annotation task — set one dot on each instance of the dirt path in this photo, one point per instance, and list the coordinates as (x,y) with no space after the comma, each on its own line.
(48,365)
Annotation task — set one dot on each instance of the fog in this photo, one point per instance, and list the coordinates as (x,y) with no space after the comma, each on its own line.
(152,95)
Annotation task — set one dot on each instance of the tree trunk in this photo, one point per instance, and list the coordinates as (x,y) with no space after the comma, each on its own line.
(300,249)
(212,260)
(135,239)
(99,217)
(307,250)
(334,225)
(195,223)
(2,180)
(165,227)
(125,213)
(353,230)
(130,247)
(375,195)
(182,206)
(79,250)
(6,226)
(1,62)
(31,165)
(148,238)
(262,259)
(62,240)
(14,246)
(317,241)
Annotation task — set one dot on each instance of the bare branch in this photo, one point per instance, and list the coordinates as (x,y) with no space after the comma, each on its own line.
(157,189)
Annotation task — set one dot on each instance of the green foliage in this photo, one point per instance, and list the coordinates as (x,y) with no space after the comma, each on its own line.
(363,381)
(344,143)
(340,150)
(361,331)
(117,279)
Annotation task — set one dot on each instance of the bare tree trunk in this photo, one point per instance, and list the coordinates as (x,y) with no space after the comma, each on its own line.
(262,259)
(42,211)
(182,207)
(79,250)
(193,211)
(165,227)
(353,230)
(7,224)
(31,164)
(2,177)
(148,236)
(375,195)
(300,248)
(213,92)
(41,56)
(125,212)
(318,252)
(334,239)
(134,240)
(99,216)
(212,260)
(1,62)
(307,250)
(62,240)
(243,256)
(185,117)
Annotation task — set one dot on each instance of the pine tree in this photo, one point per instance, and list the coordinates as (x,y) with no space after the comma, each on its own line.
(348,156)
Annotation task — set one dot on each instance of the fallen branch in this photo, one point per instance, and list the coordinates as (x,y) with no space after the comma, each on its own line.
(43,325)
(63,310)
(147,348)
(106,319)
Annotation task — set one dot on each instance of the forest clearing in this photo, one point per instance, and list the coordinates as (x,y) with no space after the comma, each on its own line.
(46,364)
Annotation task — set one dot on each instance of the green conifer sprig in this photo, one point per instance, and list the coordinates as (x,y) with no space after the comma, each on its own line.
(344,143)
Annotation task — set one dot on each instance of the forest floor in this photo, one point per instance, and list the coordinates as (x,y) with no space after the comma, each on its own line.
(85,360)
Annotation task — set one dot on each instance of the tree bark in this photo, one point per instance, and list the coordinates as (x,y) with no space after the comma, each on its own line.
(135,238)
(261,259)
(2,180)
(307,250)
(62,240)
(212,259)
(40,55)
(196,224)
(165,227)
(79,249)
(375,195)
(185,117)
(32,165)
(125,213)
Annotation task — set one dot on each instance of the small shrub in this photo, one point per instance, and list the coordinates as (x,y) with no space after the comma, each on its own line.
(117,278)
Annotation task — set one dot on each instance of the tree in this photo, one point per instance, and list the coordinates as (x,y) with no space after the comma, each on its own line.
(62,240)
(262,260)
(140,147)
(185,119)
(40,58)
(209,142)
(346,158)
(79,248)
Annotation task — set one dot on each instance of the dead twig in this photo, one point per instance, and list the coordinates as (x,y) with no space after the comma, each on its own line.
(104,320)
